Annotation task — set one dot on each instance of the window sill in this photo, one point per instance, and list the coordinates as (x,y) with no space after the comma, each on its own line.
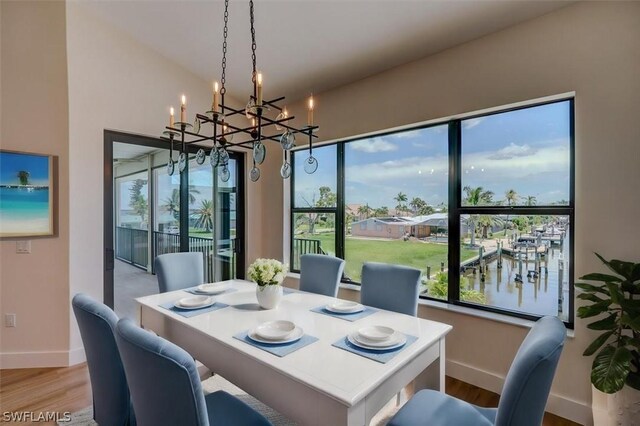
(463,310)
(493,316)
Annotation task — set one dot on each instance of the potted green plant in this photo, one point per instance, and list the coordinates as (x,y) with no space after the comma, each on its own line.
(615,299)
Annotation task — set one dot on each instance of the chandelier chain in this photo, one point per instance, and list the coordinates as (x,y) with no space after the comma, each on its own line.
(225,33)
(180,132)
(253,41)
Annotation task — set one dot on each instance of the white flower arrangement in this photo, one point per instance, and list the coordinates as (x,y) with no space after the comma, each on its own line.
(267,272)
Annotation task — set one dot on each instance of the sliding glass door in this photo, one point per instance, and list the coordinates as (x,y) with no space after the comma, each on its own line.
(149,213)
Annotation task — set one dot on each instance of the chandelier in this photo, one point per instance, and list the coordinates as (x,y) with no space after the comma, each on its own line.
(260,126)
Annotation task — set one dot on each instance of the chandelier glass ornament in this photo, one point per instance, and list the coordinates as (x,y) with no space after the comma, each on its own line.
(260,128)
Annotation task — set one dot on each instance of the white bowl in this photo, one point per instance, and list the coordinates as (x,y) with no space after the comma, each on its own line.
(344,307)
(193,302)
(376,333)
(275,330)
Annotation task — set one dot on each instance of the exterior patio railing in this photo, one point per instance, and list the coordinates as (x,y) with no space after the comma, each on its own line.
(164,242)
(304,246)
(132,247)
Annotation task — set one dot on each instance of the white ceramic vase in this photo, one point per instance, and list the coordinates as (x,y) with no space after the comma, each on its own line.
(269,296)
(624,407)
(619,409)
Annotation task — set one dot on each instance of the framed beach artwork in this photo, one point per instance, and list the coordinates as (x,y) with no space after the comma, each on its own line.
(26,194)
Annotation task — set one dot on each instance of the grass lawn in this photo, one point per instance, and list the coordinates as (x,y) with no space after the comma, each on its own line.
(410,253)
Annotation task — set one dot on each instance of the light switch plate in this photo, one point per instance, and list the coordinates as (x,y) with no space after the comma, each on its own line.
(10,320)
(23,247)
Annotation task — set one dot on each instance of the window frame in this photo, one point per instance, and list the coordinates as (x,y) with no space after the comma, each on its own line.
(455,209)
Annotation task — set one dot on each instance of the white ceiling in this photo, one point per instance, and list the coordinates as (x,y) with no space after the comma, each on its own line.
(310,45)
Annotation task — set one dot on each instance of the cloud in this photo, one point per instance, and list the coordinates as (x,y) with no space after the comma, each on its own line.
(512,151)
(472,122)
(373,145)
(406,134)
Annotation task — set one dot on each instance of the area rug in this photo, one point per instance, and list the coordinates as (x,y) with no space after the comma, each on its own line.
(85,417)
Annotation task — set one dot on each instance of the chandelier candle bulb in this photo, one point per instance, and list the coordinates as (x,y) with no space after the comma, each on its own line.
(310,113)
(171,117)
(259,83)
(183,110)
(214,107)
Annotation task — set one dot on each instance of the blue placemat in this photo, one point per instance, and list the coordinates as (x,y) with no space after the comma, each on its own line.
(349,317)
(277,350)
(188,313)
(194,290)
(379,356)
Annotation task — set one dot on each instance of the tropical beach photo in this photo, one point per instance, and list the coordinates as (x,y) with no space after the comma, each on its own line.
(25,195)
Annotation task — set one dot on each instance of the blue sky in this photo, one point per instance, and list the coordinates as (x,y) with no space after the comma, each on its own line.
(525,150)
(12,163)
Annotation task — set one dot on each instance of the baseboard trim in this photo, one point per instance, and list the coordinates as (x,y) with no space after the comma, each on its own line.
(10,360)
(77,356)
(559,405)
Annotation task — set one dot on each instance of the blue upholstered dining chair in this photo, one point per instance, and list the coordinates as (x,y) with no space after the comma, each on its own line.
(166,389)
(524,394)
(391,287)
(176,271)
(320,274)
(97,323)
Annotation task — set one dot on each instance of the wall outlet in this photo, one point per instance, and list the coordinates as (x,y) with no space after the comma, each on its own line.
(23,247)
(10,320)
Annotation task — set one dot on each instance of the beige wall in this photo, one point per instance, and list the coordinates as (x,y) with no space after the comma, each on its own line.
(34,119)
(590,48)
(79,76)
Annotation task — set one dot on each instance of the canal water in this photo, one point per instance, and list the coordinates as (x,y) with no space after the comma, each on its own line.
(537,296)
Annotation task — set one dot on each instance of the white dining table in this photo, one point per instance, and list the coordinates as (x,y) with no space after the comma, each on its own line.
(318,384)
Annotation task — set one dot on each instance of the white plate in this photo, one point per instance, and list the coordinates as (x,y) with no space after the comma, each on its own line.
(195,302)
(398,340)
(294,336)
(344,307)
(275,330)
(212,288)
(376,333)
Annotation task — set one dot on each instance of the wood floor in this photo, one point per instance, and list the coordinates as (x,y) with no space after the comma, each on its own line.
(68,389)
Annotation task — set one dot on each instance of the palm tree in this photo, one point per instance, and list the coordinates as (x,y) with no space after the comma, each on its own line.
(511,197)
(401,199)
(487,222)
(531,200)
(416,204)
(381,211)
(172,204)
(364,211)
(476,197)
(425,209)
(205,215)
(23,177)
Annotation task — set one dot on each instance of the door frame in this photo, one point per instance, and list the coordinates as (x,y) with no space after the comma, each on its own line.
(111,136)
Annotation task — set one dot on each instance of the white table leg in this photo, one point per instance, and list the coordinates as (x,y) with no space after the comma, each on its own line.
(433,376)
(442,365)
